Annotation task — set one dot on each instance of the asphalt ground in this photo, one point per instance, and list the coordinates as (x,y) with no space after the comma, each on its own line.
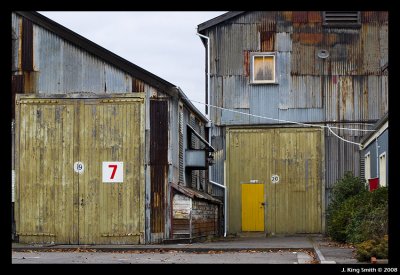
(260,249)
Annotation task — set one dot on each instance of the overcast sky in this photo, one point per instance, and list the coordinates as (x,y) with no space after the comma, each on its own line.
(163,43)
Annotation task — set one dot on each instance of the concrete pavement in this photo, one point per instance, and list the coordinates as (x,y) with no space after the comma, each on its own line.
(170,257)
(304,248)
(330,252)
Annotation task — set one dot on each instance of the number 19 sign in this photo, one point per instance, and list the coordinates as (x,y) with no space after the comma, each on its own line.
(113,171)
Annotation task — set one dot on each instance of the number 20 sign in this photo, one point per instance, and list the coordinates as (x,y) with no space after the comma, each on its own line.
(113,171)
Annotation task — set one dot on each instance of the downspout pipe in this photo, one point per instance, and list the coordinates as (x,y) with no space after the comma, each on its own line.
(209,119)
(208,72)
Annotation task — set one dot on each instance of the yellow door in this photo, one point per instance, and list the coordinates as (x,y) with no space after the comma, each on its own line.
(252,207)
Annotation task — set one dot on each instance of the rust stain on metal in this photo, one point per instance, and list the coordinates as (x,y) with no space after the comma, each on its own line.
(308,38)
(267,39)
(246,63)
(314,17)
(137,86)
(300,17)
(268,23)
(27,45)
(17,86)
(374,16)
(159,132)
(30,81)
(367,16)
(158,162)
(287,15)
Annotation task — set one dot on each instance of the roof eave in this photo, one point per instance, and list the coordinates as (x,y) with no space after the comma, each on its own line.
(217,20)
(377,126)
(190,105)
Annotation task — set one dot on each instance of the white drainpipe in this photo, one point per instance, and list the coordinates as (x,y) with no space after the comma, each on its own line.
(208,72)
(208,116)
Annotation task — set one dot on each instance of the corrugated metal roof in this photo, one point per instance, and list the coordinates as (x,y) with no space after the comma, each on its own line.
(192,193)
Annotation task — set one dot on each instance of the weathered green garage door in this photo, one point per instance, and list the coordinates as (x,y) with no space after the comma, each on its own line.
(79,170)
(288,161)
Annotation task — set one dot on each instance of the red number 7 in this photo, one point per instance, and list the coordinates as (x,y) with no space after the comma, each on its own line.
(114,166)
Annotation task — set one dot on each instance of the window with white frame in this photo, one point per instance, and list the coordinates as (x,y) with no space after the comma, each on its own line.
(367,161)
(263,68)
(382,169)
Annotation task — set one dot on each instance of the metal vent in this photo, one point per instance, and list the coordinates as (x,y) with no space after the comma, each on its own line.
(342,18)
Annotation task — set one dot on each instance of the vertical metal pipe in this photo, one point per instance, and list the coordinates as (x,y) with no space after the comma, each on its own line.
(208,73)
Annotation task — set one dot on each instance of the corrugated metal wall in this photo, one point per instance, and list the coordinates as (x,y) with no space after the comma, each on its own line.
(60,67)
(218,142)
(348,86)
(45,63)
(158,163)
(352,71)
(15,29)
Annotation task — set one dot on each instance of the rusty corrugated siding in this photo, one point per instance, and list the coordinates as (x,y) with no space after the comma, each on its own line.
(355,53)
(357,98)
(158,132)
(137,85)
(158,162)
(27,45)
(300,17)
(374,16)
(350,85)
